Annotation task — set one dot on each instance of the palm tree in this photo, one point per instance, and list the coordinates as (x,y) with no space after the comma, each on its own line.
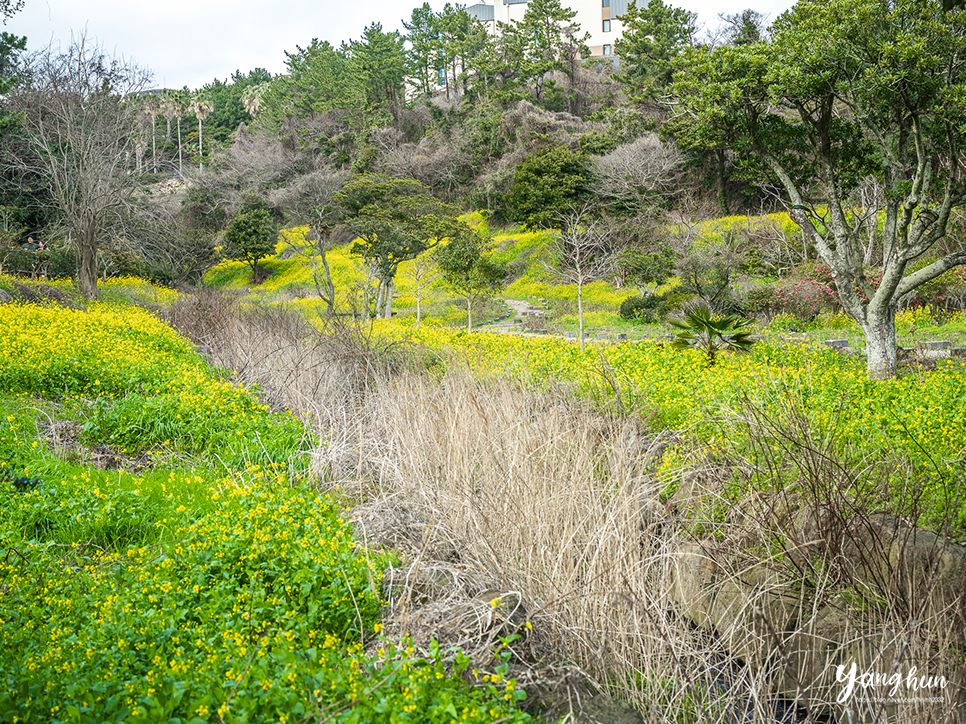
(168,110)
(178,99)
(150,110)
(201,106)
(252,98)
(702,329)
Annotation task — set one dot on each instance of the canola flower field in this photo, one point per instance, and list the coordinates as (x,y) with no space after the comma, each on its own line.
(195,577)
(913,425)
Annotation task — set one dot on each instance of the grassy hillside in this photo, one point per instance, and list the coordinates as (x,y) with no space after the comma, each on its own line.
(525,254)
(166,558)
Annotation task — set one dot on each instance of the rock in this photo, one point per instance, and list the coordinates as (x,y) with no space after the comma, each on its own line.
(812,653)
(422,586)
(767,622)
(692,489)
(653,512)
(927,566)
(5,298)
(50,292)
(604,709)
(692,573)
(938,345)
(884,555)
(808,533)
(751,613)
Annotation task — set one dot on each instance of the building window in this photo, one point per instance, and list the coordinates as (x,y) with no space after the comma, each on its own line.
(607,26)
(606,3)
(606,50)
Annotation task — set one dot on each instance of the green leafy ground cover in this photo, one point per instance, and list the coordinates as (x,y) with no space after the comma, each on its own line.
(194,576)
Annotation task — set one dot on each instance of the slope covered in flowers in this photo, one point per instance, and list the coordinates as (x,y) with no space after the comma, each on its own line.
(190,575)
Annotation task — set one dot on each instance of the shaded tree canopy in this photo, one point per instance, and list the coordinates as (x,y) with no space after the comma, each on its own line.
(546,185)
(654,36)
(395,220)
(250,237)
(9,8)
(467,268)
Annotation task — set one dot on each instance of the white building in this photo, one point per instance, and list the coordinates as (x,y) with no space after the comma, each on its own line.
(600,18)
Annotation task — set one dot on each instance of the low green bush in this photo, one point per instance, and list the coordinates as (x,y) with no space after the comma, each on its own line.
(646,310)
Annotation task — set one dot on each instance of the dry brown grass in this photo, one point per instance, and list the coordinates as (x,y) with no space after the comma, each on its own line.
(322,378)
(556,503)
(511,508)
(560,506)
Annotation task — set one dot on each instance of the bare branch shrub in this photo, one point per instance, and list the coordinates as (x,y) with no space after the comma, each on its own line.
(639,175)
(309,201)
(583,251)
(80,140)
(256,162)
(526,123)
(435,162)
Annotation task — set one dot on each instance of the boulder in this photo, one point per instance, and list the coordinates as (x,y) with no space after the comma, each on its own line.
(752,612)
(692,574)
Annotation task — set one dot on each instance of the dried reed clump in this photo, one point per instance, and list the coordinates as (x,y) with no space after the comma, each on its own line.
(321,377)
(558,505)
(555,503)
(512,507)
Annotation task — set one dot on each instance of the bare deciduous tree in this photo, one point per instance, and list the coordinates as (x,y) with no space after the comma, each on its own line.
(309,201)
(421,274)
(80,139)
(256,162)
(583,251)
(438,163)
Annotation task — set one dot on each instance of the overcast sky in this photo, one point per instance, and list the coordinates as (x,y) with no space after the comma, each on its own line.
(192,42)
